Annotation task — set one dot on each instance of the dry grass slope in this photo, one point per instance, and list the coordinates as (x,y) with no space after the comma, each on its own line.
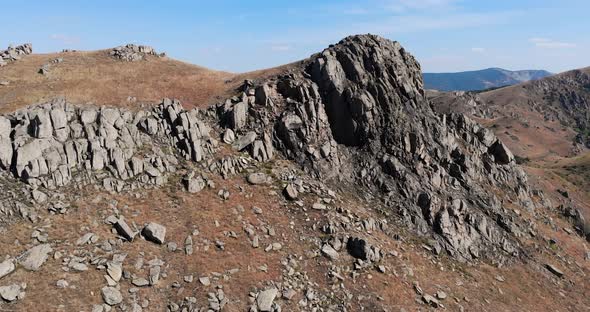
(95,77)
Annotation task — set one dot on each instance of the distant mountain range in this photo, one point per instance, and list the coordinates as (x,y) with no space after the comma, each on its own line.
(480,79)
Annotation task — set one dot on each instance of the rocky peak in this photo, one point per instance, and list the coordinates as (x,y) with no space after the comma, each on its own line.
(359,106)
(360,76)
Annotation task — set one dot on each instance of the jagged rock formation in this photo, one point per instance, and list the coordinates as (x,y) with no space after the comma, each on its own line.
(53,144)
(133,53)
(353,182)
(15,53)
(359,106)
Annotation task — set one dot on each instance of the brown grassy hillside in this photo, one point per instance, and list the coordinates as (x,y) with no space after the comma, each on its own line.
(97,77)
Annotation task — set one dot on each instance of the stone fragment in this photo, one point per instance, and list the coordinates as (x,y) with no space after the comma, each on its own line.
(35,257)
(291,192)
(154,232)
(115,270)
(6,267)
(553,269)
(124,229)
(229,136)
(265,299)
(257,178)
(330,252)
(111,295)
(12,292)
(430,300)
(244,141)
(204,281)
(140,282)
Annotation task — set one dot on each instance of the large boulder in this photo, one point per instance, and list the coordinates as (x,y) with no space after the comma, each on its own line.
(154,232)
(35,257)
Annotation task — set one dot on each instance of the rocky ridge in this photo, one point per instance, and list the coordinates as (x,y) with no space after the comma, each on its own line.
(55,144)
(358,106)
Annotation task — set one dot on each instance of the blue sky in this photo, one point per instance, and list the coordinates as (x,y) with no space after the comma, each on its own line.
(238,36)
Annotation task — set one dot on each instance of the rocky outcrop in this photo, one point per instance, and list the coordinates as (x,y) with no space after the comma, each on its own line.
(359,106)
(133,53)
(15,53)
(57,143)
(355,113)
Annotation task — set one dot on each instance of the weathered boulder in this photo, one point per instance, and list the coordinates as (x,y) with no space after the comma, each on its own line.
(111,295)
(6,267)
(291,192)
(265,299)
(35,257)
(124,229)
(12,292)
(244,141)
(154,232)
(257,178)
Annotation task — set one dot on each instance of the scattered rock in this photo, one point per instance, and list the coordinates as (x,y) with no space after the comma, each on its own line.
(194,184)
(430,300)
(553,269)
(441,295)
(229,136)
(12,292)
(111,295)
(125,230)
(204,281)
(257,178)
(265,299)
(330,252)
(62,284)
(133,53)
(154,232)
(140,282)
(35,257)
(291,192)
(6,267)
(115,270)
(244,141)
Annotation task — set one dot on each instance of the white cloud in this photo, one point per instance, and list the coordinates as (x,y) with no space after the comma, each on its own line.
(65,39)
(540,42)
(478,50)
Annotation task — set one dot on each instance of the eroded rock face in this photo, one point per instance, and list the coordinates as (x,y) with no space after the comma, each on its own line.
(359,106)
(54,144)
